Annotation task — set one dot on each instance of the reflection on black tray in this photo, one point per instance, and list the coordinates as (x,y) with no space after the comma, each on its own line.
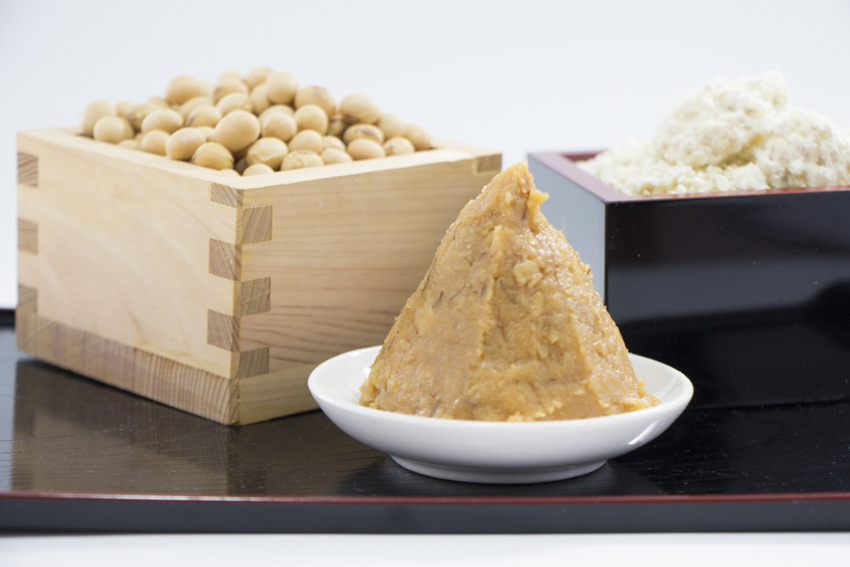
(756,358)
(109,452)
(72,434)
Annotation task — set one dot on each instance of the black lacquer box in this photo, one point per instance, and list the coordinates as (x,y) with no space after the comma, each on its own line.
(747,293)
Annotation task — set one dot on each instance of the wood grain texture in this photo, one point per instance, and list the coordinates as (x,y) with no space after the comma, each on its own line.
(250,298)
(27,170)
(488,164)
(225,195)
(251,363)
(254,296)
(123,248)
(271,395)
(27,300)
(225,259)
(122,366)
(231,288)
(27,236)
(223,330)
(254,225)
(257,396)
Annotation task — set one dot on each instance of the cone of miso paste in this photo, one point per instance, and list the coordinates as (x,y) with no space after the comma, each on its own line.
(505,325)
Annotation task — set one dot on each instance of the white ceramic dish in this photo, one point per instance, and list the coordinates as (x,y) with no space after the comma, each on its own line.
(495,452)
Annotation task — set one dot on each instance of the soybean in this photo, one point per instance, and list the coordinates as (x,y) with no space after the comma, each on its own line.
(279,125)
(336,126)
(182,88)
(331,156)
(112,129)
(418,136)
(261,119)
(281,87)
(213,155)
(268,151)
(138,113)
(164,119)
(187,107)
(123,107)
(391,125)
(237,130)
(257,76)
(183,143)
(311,117)
(257,169)
(332,143)
(309,140)
(131,144)
(154,141)
(366,131)
(276,108)
(363,148)
(301,159)
(207,131)
(398,146)
(95,110)
(320,96)
(204,115)
(359,107)
(228,85)
(260,99)
(234,101)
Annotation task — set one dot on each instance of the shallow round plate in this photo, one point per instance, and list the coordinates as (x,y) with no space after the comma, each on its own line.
(495,452)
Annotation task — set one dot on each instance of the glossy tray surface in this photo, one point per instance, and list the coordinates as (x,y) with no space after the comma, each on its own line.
(76,455)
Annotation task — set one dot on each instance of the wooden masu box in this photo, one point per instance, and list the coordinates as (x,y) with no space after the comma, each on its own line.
(218,294)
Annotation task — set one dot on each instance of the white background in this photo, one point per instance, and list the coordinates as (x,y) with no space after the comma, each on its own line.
(517,76)
(595,550)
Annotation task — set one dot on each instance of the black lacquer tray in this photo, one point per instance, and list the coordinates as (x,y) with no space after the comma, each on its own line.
(79,456)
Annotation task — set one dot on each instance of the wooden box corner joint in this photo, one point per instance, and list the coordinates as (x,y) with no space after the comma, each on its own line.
(28,170)
(27,300)
(27,179)
(251,297)
(27,236)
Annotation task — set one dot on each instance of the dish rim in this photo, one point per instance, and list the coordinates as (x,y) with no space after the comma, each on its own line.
(680,398)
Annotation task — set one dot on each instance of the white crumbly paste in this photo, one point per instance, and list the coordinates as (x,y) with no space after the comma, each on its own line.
(731,135)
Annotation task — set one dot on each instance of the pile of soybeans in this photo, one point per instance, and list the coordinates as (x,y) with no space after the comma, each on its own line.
(254,124)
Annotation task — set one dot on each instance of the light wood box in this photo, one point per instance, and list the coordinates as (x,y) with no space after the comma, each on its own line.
(218,294)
